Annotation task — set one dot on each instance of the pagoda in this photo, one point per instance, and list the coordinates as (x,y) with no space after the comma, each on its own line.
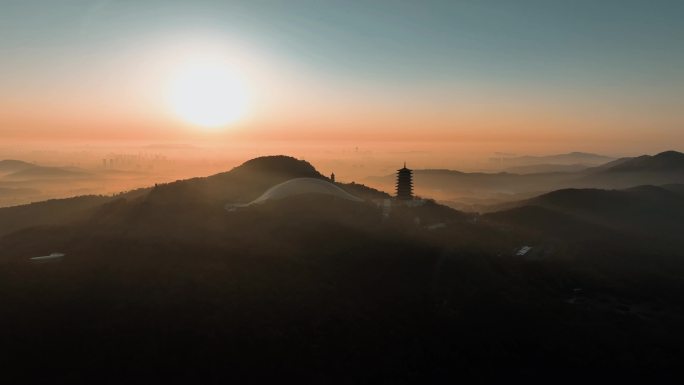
(404,183)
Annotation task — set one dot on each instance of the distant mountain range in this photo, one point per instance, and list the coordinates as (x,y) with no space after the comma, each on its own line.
(545,168)
(664,162)
(23,182)
(11,169)
(572,158)
(473,191)
(11,165)
(34,172)
(11,192)
(18,170)
(663,168)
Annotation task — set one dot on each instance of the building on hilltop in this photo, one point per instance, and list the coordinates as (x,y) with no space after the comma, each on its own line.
(404,183)
(297,186)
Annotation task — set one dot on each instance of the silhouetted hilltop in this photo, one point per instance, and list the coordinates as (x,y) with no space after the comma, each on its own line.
(11,165)
(239,185)
(185,199)
(663,168)
(610,164)
(643,211)
(246,182)
(668,161)
(281,166)
(43,172)
(596,199)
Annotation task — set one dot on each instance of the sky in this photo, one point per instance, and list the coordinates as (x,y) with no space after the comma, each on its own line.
(516,76)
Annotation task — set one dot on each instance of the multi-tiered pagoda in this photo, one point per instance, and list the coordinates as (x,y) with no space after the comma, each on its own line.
(404,183)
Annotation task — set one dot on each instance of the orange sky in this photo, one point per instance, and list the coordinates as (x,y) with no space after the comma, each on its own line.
(99,74)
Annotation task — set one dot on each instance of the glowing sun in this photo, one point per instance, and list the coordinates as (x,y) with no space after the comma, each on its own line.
(208,95)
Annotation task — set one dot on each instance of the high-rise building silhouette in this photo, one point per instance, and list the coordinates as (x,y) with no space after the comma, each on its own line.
(404,183)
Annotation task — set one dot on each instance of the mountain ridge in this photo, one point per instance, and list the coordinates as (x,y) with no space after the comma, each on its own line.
(662,208)
(13,165)
(238,185)
(464,188)
(662,162)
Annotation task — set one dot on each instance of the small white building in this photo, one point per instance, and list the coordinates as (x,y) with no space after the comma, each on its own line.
(523,250)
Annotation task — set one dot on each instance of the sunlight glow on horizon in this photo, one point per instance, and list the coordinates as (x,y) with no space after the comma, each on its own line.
(430,72)
(208,94)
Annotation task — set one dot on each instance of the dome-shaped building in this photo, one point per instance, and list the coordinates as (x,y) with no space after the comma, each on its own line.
(299,186)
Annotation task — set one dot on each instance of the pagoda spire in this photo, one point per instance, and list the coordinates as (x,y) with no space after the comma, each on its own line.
(404,183)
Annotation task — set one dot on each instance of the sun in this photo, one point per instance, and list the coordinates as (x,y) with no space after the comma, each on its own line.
(209,95)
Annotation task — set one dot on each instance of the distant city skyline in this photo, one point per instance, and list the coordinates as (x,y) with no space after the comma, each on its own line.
(525,76)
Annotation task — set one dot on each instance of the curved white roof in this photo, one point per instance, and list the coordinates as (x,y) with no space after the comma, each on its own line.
(299,186)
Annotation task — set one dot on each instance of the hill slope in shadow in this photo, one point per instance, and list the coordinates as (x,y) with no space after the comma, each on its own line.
(642,211)
(166,285)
